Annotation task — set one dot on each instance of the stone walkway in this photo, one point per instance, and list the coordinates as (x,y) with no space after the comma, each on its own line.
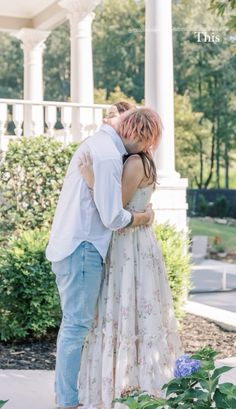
(34,389)
(27,389)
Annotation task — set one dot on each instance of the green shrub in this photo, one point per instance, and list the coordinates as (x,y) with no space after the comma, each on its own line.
(202,206)
(31,177)
(220,207)
(174,245)
(29,302)
(196,384)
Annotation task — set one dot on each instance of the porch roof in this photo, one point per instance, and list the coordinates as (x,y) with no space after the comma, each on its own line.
(39,14)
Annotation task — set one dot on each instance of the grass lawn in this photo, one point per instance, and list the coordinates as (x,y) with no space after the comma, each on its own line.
(201,227)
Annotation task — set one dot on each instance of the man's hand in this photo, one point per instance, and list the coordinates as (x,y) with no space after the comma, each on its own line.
(142,219)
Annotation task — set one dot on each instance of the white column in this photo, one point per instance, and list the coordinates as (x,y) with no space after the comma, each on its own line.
(33,46)
(170,197)
(82,86)
(81,59)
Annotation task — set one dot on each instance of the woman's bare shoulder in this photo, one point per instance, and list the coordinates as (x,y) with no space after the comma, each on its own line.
(133,167)
(133,161)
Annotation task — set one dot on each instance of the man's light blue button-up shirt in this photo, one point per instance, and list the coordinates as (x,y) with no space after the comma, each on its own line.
(81,216)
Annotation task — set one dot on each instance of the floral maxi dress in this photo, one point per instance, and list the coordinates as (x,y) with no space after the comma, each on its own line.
(134,340)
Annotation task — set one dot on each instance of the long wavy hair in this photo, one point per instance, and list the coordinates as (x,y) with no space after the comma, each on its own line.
(123,106)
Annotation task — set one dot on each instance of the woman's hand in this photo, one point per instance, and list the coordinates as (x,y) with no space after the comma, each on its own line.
(150,212)
(86,169)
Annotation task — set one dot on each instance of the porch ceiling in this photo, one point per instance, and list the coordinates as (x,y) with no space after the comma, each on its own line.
(40,14)
(23,8)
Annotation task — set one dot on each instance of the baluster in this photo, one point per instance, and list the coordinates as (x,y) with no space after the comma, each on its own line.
(3,122)
(27,120)
(50,119)
(66,118)
(37,120)
(94,119)
(18,116)
(91,119)
(76,124)
(98,116)
(87,122)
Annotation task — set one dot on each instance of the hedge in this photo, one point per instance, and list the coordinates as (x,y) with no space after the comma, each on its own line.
(175,245)
(31,177)
(29,303)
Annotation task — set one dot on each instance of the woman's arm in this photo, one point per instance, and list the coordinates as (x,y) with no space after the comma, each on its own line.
(86,169)
(133,174)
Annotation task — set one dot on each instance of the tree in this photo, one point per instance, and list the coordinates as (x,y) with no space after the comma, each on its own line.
(100,96)
(57,64)
(207,69)
(11,67)
(221,7)
(192,142)
(118,43)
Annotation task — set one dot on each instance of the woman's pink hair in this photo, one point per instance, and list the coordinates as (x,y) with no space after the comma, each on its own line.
(141,124)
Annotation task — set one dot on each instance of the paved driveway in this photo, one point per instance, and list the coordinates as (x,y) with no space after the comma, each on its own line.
(207,280)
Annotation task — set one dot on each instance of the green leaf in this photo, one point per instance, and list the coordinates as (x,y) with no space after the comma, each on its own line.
(205,353)
(213,384)
(200,374)
(173,388)
(2,402)
(143,397)
(219,371)
(196,394)
(176,382)
(204,384)
(228,389)
(153,403)
(223,402)
(207,365)
(131,403)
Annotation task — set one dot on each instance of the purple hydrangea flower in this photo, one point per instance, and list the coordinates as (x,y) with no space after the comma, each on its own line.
(186,366)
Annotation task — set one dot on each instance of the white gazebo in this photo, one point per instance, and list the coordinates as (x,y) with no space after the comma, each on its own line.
(31,22)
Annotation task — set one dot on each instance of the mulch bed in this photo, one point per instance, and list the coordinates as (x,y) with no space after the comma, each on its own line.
(29,354)
(230,257)
(196,333)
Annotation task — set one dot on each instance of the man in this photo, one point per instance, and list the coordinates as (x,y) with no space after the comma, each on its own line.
(79,240)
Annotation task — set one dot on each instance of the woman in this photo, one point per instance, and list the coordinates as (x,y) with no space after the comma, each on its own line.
(134,340)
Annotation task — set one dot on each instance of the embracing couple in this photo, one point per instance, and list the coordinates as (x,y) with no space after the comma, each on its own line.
(118,328)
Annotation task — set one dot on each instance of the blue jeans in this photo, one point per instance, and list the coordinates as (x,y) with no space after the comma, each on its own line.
(78,279)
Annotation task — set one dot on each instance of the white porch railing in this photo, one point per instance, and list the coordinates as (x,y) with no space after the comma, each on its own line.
(63,121)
